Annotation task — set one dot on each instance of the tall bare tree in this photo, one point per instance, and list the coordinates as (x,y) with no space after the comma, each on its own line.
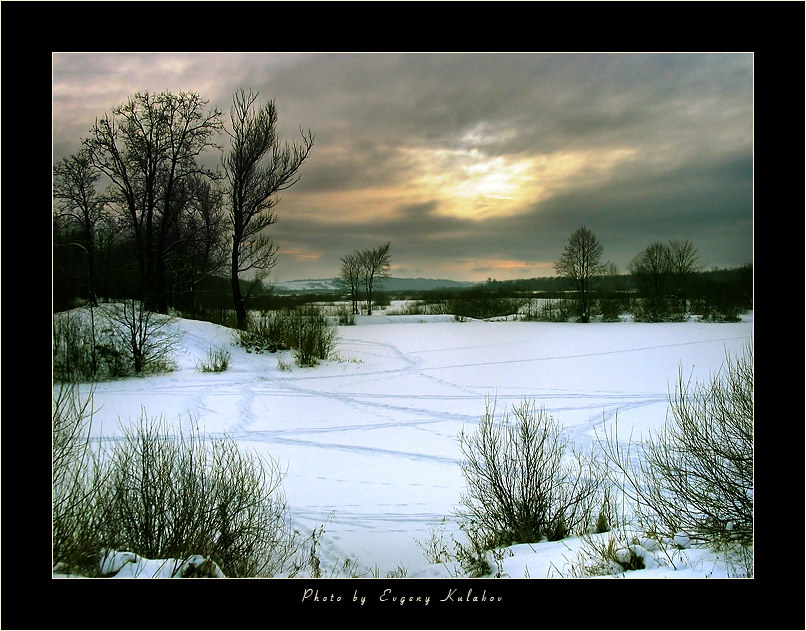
(375,265)
(580,261)
(257,168)
(80,206)
(147,147)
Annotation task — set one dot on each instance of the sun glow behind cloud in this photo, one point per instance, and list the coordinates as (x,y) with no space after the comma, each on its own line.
(470,184)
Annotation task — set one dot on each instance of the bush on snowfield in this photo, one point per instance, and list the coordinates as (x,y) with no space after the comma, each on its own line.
(112,341)
(218,359)
(159,494)
(173,495)
(525,482)
(695,475)
(307,330)
(313,336)
(77,482)
(267,331)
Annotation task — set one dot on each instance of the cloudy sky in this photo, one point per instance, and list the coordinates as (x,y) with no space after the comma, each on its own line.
(474,165)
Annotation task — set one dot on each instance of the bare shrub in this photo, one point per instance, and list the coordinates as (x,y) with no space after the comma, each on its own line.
(695,475)
(165,496)
(149,338)
(549,310)
(525,481)
(307,330)
(77,480)
(85,349)
(217,360)
(345,316)
(176,495)
(268,331)
(656,309)
(74,357)
(482,305)
(314,338)
(610,309)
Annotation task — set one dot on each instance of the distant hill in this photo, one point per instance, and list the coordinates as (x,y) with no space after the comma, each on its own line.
(326,285)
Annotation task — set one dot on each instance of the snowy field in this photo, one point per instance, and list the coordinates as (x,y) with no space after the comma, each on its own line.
(369,440)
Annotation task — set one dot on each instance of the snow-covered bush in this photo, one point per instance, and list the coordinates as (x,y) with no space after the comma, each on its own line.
(525,481)
(129,565)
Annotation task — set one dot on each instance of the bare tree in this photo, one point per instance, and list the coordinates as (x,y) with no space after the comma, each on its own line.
(375,264)
(257,168)
(350,276)
(201,244)
(580,261)
(149,339)
(80,206)
(683,263)
(146,148)
(651,268)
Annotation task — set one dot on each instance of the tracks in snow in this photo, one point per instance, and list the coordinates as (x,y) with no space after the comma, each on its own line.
(373,446)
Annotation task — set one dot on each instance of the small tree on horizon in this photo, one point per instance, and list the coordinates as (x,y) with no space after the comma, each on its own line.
(350,276)
(684,262)
(375,265)
(580,262)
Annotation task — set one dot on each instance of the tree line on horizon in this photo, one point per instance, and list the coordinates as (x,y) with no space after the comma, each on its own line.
(665,275)
(172,232)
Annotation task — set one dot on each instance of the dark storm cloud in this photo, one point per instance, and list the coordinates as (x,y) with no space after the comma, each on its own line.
(371,106)
(709,203)
(662,146)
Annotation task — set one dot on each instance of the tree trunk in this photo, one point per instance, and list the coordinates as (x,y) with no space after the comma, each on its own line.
(91,281)
(237,298)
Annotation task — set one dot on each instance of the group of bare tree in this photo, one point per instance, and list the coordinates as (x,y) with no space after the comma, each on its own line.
(361,269)
(665,268)
(661,270)
(169,220)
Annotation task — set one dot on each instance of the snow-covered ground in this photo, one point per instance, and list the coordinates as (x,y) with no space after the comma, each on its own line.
(369,439)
